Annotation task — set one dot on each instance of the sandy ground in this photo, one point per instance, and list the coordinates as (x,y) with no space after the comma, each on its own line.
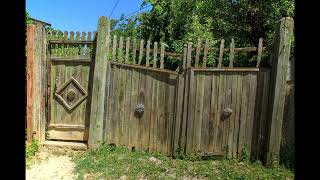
(53,164)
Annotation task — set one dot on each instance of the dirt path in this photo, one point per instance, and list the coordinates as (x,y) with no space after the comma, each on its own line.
(52,164)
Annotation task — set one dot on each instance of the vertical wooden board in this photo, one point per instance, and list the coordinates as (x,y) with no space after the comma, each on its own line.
(161,113)
(127,50)
(224,104)
(231,56)
(198,118)
(191,104)
(232,104)
(142,119)
(162,49)
(116,107)
(243,112)
(155,54)
(152,115)
(134,101)
(166,112)
(259,52)
(185,113)
(148,54)
(237,113)
(141,51)
(213,111)
(264,111)
(257,113)
(128,109)
(134,50)
(221,53)
(252,78)
(109,125)
(178,113)
(205,113)
(205,54)
(172,116)
(219,124)
(114,48)
(157,112)
(148,109)
(120,55)
(122,103)
(196,65)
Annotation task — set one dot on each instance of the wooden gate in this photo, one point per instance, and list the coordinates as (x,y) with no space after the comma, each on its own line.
(69,64)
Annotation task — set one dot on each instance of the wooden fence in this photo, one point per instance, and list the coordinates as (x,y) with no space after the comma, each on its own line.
(182,110)
(135,101)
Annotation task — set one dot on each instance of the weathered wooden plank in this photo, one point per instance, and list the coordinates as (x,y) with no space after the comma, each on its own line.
(197,53)
(205,54)
(148,54)
(243,117)
(66,135)
(120,55)
(198,119)
(99,81)
(141,51)
(179,112)
(237,110)
(66,41)
(134,50)
(148,109)
(152,132)
(280,59)
(189,58)
(184,63)
(232,104)
(114,47)
(213,111)
(235,69)
(218,147)
(162,49)
(259,52)
(221,53)
(205,113)
(127,50)
(231,56)
(155,54)
(191,103)
(157,133)
(134,99)
(251,104)
(71,47)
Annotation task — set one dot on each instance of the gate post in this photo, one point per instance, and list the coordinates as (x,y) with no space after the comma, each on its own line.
(99,83)
(280,58)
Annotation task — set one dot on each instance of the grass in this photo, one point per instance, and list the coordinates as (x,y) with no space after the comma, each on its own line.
(113,162)
(31,149)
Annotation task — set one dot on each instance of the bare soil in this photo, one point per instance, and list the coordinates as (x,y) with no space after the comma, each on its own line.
(52,163)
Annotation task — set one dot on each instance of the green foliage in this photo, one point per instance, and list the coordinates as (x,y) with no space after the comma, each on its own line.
(177,21)
(110,162)
(31,149)
(245,155)
(28,20)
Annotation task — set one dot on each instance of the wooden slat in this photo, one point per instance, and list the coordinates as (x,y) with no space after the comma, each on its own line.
(71,47)
(221,53)
(89,47)
(65,47)
(238,82)
(205,54)
(191,103)
(77,48)
(155,54)
(197,54)
(134,50)
(114,47)
(127,50)
(231,56)
(184,63)
(141,51)
(148,54)
(259,52)
(162,56)
(189,54)
(83,37)
(120,55)
(243,117)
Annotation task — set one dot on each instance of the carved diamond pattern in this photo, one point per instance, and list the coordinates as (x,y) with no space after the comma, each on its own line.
(71,94)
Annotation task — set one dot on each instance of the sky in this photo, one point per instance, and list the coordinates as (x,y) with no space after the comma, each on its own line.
(79,15)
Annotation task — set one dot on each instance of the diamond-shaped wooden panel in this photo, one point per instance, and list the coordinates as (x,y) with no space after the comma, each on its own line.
(71,94)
